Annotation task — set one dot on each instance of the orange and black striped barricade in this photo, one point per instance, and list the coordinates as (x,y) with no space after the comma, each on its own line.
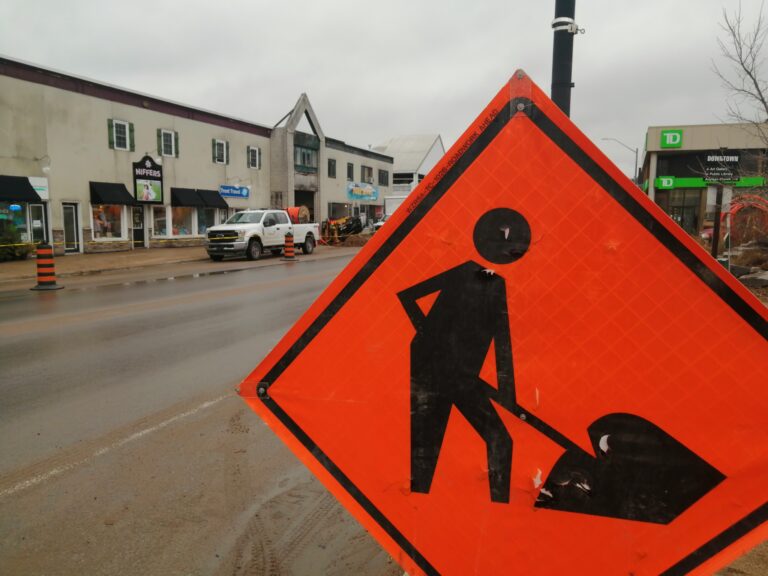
(289,252)
(46,270)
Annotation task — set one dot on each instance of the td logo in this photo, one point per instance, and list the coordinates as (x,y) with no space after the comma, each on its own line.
(671,138)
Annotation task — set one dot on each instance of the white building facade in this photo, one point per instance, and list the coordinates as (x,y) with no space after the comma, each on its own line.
(95,168)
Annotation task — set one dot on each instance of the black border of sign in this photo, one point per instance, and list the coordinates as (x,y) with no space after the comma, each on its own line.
(617,192)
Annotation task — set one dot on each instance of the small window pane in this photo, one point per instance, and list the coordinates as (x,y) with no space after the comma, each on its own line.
(254,158)
(167,143)
(121,135)
(221,152)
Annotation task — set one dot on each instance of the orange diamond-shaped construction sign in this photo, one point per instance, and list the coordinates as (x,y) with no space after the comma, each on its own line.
(532,370)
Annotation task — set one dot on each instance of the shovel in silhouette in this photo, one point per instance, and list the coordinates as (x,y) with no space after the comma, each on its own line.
(639,472)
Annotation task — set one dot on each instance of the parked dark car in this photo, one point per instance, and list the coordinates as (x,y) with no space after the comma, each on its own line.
(352,225)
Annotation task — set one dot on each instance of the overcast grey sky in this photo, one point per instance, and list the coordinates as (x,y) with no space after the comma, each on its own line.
(374,70)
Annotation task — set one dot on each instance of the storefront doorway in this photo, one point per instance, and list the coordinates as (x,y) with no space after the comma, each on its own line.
(38,223)
(685,209)
(138,227)
(306,198)
(71,228)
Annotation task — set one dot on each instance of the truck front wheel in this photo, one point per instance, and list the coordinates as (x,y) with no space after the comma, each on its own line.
(253,252)
(309,244)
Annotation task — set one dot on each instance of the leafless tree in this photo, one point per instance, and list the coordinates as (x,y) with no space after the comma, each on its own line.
(745,75)
(742,48)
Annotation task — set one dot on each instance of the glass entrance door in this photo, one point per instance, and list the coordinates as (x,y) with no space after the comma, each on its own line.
(685,208)
(71,228)
(38,223)
(138,227)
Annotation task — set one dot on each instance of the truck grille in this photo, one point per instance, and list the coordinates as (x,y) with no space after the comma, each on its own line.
(222,236)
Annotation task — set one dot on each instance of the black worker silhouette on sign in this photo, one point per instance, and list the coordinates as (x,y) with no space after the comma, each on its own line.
(451,344)
(634,471)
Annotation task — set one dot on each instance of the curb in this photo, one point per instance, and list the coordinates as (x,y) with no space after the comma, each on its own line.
(143,267)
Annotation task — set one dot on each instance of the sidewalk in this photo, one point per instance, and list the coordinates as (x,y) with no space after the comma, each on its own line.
(86,264)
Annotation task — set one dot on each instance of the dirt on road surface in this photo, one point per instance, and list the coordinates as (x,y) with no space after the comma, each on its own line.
(202,489)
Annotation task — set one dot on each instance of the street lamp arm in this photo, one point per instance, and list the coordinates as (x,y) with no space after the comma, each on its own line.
(635,150)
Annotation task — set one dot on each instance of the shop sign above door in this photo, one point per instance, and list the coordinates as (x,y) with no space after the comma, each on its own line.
(234,191)
(148,181)
(357,191)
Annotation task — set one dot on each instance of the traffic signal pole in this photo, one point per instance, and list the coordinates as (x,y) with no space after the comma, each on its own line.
(565,29)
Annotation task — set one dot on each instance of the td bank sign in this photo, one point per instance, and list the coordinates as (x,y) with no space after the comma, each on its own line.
(671,138)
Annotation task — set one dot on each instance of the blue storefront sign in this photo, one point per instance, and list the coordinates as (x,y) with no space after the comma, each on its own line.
(235,191)
(361,191)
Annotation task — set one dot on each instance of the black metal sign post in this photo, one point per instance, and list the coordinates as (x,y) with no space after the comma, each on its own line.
(564,28)
(718,210)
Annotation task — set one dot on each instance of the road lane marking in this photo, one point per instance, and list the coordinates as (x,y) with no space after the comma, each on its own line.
(59,470)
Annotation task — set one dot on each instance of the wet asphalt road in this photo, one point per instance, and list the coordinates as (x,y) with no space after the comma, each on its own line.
(79,363)
(124,448)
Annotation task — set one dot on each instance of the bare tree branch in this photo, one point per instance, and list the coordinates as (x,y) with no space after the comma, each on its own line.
(742,49)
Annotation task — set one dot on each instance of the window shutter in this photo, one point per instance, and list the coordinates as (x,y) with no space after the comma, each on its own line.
(258,153)
(159,142)
(226,152)
(213,150)
(248,157)
(132,146)
(111,133)
(176,144)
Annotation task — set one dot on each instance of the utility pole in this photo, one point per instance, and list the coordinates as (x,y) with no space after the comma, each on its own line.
(565,29)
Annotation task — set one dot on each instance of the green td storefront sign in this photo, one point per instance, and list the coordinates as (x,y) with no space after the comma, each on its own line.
(671,138)
(671,183)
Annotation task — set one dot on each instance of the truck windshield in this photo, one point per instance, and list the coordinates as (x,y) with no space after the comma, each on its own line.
(246,218)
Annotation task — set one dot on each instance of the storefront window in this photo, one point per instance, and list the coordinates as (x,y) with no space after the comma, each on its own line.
(159,220)
(182,220)
(206,217)
(13,220)
(684,208)
(337,210)
(107,220)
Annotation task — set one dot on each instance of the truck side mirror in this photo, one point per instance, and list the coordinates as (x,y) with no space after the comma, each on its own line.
(269,222)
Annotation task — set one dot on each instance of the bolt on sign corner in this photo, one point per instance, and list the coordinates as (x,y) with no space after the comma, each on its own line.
(556,379)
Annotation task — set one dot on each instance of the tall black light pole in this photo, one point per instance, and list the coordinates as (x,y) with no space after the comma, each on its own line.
(564,28)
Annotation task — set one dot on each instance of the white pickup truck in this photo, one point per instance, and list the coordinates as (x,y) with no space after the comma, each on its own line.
(251,232)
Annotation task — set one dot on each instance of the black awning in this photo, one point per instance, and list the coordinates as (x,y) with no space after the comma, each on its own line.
(110,193)
(185,197)
(17,189)
(213,199)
